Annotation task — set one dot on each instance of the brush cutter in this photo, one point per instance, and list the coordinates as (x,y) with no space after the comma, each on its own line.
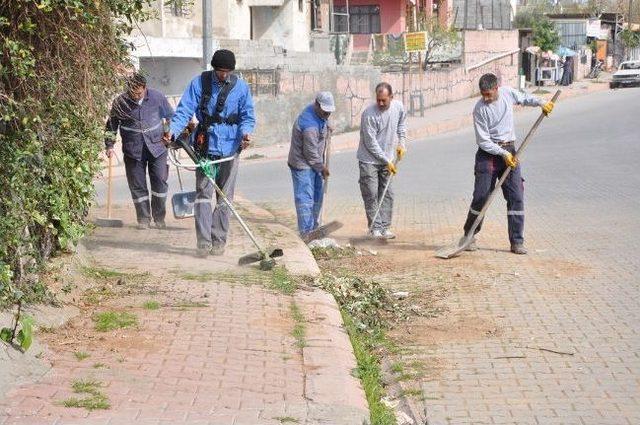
(324,230)
(265,258)
(453,251)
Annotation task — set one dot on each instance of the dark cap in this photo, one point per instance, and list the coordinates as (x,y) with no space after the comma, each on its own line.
(224,59)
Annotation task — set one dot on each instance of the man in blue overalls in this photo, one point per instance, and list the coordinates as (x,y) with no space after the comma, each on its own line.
(495,136)
(307,160)
(226,122)
(138,114)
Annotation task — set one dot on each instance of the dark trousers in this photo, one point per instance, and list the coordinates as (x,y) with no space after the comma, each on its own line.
(373,179)
(488,170)
(212,224)
(137,179)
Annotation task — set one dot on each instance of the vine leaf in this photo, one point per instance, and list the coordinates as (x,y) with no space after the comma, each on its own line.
(6,335)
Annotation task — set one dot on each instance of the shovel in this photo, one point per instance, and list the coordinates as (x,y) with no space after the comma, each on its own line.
(265,258)
(183,201)
(109,222)
(454,251)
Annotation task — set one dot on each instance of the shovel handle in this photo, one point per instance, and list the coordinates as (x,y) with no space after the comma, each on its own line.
(110,176)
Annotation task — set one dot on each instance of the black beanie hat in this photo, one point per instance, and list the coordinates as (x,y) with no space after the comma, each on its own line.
(224,59)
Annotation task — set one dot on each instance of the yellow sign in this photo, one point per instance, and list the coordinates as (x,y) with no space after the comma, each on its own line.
(415,41)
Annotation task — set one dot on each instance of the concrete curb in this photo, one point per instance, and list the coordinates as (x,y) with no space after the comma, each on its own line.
(333,394)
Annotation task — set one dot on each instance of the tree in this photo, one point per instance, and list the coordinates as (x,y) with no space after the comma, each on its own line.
(631,39)
(439,39)
(545,35)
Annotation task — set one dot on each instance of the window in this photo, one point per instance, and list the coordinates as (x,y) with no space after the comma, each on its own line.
(362,19)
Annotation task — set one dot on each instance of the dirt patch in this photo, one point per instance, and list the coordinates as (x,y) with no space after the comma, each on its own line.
(446,329)
(557,269)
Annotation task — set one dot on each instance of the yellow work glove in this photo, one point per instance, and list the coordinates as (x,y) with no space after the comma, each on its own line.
(400,151)
(391,167)
(510,160)
(547,108)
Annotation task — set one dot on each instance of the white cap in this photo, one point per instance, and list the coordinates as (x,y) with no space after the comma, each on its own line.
(325,100)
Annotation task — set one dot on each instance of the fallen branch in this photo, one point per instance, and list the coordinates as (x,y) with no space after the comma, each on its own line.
(562,353)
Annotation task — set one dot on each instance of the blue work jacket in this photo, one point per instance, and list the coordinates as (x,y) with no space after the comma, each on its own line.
(139,123)
(224,139)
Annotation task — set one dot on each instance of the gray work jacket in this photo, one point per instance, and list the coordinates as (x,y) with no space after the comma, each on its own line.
(140,124)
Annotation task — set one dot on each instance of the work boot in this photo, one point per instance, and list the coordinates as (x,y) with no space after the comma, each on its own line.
(472,246)
(203,250)
(376,234)
(160,224)
(217,249)
(388,234)
(518,248)
(143,225)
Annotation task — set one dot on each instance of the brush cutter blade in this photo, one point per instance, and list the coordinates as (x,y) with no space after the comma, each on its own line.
(109,222)
(254,257)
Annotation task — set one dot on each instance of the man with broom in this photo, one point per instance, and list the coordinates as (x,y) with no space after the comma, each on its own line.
(495,136)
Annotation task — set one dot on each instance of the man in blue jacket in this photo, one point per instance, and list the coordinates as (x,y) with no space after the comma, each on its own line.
(138,114)
(307,160)
(230,124)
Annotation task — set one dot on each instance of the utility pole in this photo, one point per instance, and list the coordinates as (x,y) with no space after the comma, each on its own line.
(630,12)
(207,33)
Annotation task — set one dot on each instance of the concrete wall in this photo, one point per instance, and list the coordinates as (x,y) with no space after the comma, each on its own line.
(170,75)
(482,45)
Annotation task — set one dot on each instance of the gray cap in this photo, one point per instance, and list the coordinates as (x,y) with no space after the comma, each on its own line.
(325,100)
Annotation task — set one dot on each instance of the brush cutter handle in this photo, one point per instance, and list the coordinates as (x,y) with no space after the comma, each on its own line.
(188,149)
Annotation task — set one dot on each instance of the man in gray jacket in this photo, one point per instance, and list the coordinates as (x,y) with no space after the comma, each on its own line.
(495,136)
(382,138)
(307,160)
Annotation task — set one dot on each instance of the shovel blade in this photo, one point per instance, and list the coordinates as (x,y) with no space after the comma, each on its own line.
(453,251)
(182,204)
(109,222)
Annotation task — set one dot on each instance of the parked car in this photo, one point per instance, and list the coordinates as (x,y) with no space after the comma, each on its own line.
(627,74)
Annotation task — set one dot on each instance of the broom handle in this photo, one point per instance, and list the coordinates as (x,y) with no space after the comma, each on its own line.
(109,186)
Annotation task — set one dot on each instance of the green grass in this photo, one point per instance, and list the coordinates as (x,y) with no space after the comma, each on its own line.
(369,370)
(299,329)
(151,305)
(189,304)
(81,355)
(110,320)
(412,392)
(198,277)
(397,367)
(100,366)
(282,282)
(95,400)
(286,420)
(100,272)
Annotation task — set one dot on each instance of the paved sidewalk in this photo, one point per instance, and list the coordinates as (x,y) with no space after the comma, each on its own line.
(219,349)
